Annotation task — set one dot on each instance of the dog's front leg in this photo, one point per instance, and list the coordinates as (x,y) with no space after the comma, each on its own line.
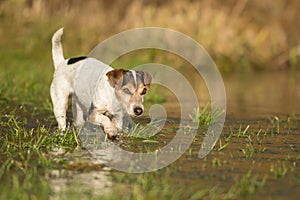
(123,122)
(100,118)
(118,121)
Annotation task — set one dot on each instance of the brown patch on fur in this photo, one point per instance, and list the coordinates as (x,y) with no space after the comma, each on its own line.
(115,77)
(144,77)
(147,79)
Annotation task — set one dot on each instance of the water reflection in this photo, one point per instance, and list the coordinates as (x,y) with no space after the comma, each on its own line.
(251,95)
(66,183)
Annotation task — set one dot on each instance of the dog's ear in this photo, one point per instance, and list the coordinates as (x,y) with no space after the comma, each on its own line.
(115,77)
(147,79)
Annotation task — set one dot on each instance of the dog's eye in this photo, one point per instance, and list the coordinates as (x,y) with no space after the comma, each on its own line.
(144,91)
(126,91)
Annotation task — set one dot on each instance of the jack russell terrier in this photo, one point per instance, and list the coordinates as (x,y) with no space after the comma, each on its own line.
(101,95)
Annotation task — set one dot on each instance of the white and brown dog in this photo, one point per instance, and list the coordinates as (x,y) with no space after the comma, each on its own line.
(102,95)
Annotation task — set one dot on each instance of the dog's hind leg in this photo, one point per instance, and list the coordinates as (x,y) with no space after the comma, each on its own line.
(79,115)
(59,98)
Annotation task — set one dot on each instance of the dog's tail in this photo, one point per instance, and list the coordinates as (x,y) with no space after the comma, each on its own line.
(57,50)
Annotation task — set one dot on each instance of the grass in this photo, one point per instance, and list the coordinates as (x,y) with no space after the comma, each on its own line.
(25,186)
(204,116)
(278,170)
(246,186)
(149,130)
(23,147)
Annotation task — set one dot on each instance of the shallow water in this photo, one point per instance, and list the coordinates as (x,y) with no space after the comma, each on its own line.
(256,157)
(255,95)
(250,95)
(268,151)
(259,139)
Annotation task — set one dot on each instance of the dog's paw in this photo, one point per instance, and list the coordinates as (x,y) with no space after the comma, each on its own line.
(112,132)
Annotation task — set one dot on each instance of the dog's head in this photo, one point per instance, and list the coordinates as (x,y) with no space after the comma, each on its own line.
(130,88)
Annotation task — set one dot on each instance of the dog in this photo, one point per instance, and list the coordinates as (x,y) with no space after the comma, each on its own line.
(101,95)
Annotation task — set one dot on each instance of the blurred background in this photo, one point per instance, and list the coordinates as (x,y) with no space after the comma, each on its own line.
(244,37)
(240,35)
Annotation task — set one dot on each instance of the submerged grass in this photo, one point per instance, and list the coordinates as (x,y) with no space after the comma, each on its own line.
(205,116)
(29,185)
(246,186)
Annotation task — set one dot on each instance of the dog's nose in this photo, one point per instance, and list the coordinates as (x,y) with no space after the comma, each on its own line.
(138,111)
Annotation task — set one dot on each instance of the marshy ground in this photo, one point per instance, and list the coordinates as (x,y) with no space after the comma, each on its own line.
(256,157)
